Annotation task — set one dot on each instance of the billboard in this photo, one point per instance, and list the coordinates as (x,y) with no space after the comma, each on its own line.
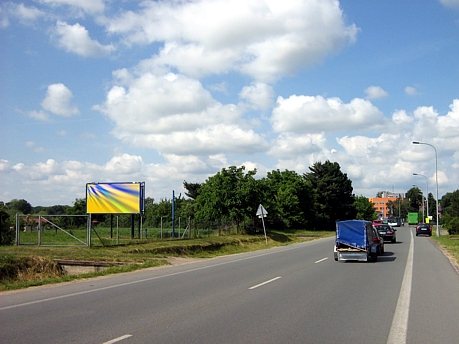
(115,198)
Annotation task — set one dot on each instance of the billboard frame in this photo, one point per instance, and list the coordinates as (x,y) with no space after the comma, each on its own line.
(115,198)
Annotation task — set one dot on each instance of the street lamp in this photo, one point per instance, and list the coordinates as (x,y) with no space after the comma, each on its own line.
(436,175)
(427,190)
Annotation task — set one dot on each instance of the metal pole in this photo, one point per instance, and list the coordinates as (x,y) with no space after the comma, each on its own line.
(436,175)
(264,229)
(173,213)
(17,229)
(39,230)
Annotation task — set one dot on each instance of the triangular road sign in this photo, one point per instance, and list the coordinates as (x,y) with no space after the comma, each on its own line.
(261,211)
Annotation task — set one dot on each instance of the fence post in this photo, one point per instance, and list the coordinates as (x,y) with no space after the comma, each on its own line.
(39,230)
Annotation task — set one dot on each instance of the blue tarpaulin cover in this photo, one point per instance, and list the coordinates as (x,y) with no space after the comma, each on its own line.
(354,233)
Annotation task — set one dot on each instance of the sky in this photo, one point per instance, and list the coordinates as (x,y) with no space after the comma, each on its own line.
(169,91)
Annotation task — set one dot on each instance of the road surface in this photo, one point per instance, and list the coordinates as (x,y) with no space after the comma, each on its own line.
(291,294)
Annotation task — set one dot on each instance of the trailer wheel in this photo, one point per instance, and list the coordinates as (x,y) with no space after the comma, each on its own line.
(374,257)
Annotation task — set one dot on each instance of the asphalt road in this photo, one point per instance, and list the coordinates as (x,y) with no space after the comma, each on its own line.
(292,294)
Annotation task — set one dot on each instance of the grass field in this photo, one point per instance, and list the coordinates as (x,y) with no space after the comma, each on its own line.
(31,264)
(450,244)
(102,236)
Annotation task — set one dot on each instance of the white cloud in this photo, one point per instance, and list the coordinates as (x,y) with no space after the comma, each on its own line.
(34,147)
(176,115)
(24,13)
(411,91)
(258,96)
(292,146)
(263,39)
(450,3)
(124,164)
(375,92)
(88,6)
(449,124)
(75,38)
(57,101)
(308,114)
(39,115)
(4,21)
(4,165)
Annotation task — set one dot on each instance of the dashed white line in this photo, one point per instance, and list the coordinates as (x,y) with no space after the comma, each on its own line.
(118,339)
(320,260)
(266,282)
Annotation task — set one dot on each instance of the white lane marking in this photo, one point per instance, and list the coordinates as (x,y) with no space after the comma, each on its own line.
(320,260)
(266,282)
(118,339)
(399,327)
(284,249)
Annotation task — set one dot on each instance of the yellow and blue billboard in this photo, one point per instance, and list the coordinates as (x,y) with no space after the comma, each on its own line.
(115,198)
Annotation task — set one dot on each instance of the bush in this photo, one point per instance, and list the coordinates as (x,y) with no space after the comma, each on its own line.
(453,226)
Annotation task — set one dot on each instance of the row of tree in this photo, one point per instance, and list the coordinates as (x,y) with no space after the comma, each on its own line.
(314,201)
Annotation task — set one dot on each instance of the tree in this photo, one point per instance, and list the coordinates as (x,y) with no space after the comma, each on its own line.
(20,206)
(192,189)
(432,206)
(450,207)
(231,194)
(414,196)
(288,197)
(78,208)
(333,197)
(365,209)
(6,235)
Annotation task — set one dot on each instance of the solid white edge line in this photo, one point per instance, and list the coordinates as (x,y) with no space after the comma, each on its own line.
(118,339)
(320,260)
(259,285)
(399,327)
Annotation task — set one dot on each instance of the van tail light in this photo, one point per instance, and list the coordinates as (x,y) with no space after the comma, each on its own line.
(375,239)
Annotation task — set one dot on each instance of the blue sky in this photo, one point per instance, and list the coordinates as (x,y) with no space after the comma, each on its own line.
(167,91)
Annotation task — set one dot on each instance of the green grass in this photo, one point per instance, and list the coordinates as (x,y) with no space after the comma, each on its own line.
(30,265)
(101,236)
(450,244)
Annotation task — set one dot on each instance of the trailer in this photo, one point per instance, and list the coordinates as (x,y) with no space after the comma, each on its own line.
(355,241)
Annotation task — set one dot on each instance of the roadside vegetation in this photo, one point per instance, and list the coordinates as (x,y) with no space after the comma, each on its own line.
(218,217)
(26,266)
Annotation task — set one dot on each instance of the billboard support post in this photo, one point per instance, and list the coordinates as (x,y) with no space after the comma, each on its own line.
(88,235)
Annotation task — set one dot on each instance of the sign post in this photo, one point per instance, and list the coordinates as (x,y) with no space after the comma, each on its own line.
(262,213)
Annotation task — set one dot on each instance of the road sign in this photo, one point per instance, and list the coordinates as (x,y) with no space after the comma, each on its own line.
(261,212)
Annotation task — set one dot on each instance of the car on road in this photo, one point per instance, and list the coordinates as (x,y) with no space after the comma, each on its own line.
(377,222)
(377,239)
(387,232)
(424,228)
(394,221)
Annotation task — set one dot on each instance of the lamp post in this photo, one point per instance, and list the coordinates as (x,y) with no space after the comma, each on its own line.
(422,201)
(436,175)
(427,190)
